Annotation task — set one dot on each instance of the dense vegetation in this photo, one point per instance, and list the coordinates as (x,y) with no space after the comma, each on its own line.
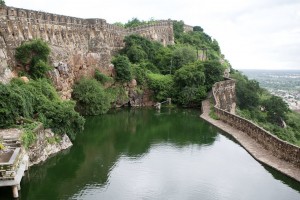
(184,72)
(33,58)
(90,97)
(135,22)
(269,111)
(2,3)
(38,100)
(27,103)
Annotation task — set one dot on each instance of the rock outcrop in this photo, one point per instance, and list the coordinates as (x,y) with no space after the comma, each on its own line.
(47,144)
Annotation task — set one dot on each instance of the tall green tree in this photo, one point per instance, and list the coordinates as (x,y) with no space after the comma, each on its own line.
(213,72)
(277,109)
(183,55)
(189,81)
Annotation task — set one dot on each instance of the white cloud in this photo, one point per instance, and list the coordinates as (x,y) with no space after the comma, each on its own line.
(251,33)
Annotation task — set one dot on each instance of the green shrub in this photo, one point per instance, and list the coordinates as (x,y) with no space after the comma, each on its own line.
(190,75)
(39,69)
(38,100)
(117,94)
(90,97)
(122,67)
(191,96)
(33,56)
(2,147)
(183,55)
(102,78)
(29,137)
(136,54)
(139,74)
(162,85)
(61,118)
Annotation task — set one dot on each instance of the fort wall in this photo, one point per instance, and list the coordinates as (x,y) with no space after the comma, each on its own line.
(78,46)
(224,95)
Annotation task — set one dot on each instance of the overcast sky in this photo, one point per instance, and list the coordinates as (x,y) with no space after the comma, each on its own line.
(253,34)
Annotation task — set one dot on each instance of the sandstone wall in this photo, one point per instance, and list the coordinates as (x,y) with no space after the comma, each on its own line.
(279,148)
(78,46)
(187,28)
(160,31)
(224,93)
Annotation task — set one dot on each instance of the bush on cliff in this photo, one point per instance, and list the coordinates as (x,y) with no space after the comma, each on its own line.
(38,100)
(122,67)
(162,86)
(33,56)
(102,78)
(90,97)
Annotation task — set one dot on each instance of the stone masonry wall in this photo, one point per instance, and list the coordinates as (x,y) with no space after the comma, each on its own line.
(278,147)
(224,93)
(78,46)
(161,31)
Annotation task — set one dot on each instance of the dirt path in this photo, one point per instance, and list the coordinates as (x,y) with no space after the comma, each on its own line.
(255,149)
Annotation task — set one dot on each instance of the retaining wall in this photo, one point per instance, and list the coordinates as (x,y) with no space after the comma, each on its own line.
(279,148)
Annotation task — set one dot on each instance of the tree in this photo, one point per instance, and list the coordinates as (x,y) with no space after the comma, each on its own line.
(277,109)
(190,75)
(134,22)
(189,81)
(183,55)
(213,72)
(178,28)
(120,24)
(136,54)
(122,67)
(2,3)
(198,28)
(90,97)
(247,93)
(162,85)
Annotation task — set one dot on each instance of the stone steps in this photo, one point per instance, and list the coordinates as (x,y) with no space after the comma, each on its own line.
(11,143)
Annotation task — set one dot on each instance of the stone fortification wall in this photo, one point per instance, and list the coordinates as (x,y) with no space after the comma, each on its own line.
(187,28)
(161,31)
(224,93)
(78,46)
(278,147)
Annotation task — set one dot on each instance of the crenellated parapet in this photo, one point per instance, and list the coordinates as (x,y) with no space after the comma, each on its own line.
(19,25)
(78,46)
(160,31)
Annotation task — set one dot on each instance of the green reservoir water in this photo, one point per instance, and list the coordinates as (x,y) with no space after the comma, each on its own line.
(144,154)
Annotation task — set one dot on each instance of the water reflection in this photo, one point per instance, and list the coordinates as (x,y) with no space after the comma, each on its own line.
(144,154)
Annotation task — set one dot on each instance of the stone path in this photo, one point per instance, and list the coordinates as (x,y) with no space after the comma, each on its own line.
(255,149)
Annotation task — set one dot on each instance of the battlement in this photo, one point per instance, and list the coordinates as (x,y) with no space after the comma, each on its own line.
(31,17)
(79,45)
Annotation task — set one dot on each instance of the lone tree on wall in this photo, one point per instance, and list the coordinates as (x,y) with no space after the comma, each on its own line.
(2,3)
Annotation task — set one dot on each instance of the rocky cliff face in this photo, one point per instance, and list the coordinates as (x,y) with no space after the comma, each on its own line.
(46,145)
(79,46)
